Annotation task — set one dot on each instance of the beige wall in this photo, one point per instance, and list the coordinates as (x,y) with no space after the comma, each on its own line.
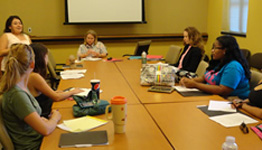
(46,18)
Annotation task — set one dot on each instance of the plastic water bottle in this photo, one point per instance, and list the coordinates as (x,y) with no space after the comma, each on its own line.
(143,58)
(229,144)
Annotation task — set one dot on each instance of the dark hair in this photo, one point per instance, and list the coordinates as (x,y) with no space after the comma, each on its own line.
(40,52)
(232,53)
(9,22)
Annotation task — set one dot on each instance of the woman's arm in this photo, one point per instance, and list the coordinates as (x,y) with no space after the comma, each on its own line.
(3,45)
(37,82)
(42,125)
(214,89)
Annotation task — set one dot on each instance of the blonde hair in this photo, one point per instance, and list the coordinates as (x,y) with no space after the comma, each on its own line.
(92,32)
(18,61)
(195,38)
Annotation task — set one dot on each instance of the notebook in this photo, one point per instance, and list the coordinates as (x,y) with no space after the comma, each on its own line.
(81,124)
(83,139)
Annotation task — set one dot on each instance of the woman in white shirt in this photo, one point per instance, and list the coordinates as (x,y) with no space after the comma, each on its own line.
(91,47)
(13,33)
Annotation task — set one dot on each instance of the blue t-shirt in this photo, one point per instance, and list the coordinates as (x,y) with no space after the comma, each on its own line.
(231,75)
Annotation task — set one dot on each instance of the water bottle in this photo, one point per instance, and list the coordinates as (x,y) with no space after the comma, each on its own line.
(229,144)
(144,59)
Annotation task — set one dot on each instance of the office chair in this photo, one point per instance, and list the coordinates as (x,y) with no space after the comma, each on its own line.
(246,53)
(173,54)
(53,77)
(256,61)
(141,46)
(201,69)
(255,78)
(57,67)
(4,136)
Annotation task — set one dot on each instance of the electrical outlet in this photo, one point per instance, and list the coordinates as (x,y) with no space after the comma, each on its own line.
(29,30)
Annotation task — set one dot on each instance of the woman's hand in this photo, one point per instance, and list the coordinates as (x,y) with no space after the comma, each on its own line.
(189,83)
(77,90)
(237,103)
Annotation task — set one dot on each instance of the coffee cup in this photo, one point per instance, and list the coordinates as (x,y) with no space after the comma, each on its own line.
(119,112)
(96,86)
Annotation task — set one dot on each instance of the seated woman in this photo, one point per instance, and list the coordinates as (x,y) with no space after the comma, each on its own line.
(193,50)
(91,47)
(253,104)
(21,112)
(228,72)
(37,85)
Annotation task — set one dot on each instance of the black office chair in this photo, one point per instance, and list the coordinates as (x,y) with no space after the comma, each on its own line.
(256,61)
(246,53)
(141,46)
(53,76)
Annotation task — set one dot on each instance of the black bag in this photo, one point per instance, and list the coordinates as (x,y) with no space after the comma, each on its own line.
(183,73)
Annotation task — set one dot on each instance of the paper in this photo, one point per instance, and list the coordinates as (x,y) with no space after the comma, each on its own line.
(220,106)
(184,89)
(232,120)
(81,124)
(74,71)
(86,91)
(72,76)
(91,59)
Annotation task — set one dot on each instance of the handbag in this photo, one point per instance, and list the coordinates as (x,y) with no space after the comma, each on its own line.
(157,74)
(87,106)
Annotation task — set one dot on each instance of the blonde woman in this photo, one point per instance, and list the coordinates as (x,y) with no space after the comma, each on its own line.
(21,111)
(91,47)
(193,50)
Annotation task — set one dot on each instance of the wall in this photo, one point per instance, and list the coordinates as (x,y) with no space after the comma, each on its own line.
(46,18)
(251,41)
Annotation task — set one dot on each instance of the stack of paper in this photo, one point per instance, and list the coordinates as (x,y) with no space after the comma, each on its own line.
(86,91)
(72,74)
(81,124)
(228,120)
(91,59)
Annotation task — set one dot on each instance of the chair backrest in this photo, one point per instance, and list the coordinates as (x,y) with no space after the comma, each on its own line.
(173,54)
(201,69)
(51,59)
(142,46)
(255,78)
(51,70)
(256,61)
(4,136)
(246,53)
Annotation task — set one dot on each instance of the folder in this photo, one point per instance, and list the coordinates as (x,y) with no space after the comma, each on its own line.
(83,139)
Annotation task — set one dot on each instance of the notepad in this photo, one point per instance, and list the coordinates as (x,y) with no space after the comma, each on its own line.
(83,139)
(81,124)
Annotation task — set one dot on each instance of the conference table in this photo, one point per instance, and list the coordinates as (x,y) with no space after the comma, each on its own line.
(154,120)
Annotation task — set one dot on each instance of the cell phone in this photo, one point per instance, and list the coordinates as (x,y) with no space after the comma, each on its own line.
(86,104)
(162,89)
(67,89)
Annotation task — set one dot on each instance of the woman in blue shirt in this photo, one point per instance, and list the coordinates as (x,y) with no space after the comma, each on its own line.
(228,72)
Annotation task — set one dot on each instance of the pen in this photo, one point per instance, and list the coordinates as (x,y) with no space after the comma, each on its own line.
(236,102)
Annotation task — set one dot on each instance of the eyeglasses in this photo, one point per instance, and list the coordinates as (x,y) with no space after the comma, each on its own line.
(243,127)
(213,48)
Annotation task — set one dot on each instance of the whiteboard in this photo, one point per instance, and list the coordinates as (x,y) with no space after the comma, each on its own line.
(104,11)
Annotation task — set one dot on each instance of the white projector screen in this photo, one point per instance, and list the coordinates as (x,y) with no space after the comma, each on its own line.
(104,11)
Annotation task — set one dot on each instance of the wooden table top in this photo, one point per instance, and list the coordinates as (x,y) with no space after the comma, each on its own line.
(187,127)
(131,71)
(112,83)
(141,132)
